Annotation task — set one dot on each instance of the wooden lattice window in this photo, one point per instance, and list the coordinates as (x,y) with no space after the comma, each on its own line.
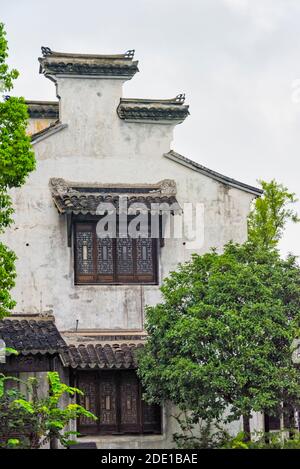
(113,260)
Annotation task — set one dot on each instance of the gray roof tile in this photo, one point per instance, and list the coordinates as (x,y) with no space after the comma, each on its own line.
(42,109)
(153,110)
(85,199)
(31,337)
(101,356)
(61,63)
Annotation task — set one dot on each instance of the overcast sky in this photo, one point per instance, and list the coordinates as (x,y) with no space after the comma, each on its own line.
(238,61)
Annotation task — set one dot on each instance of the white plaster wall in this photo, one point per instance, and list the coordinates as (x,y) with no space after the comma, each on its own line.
(165,440)
(97,146)
(38,124)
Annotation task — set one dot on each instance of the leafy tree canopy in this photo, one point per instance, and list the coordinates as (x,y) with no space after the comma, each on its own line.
(16,162)
(270,213)
(222,338)
(223,334)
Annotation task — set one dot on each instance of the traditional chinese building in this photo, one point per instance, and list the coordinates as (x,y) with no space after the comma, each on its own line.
(95,147)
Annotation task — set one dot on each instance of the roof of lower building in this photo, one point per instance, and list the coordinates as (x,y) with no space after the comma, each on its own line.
(68,64)
(101,356)
(79,198)
(154,110)
(31,336)
(42,109)
(47,131)
(172,155)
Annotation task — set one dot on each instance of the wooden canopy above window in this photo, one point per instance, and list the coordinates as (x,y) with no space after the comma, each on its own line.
(84,199)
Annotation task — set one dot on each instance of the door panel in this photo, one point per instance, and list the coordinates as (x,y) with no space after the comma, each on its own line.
(115,398)
(129,397)
(108,403)
(87,383)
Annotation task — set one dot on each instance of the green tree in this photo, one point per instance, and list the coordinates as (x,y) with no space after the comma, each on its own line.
(222,337)
(31,423)
(16,162)
(270,214)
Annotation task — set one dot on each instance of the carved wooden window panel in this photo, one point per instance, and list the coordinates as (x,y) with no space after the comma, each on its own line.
(129,393)
(144,256)
(115,398)
(105,259)
(84,250)
(113,261)
(108,403)
(125,257)
(89,399)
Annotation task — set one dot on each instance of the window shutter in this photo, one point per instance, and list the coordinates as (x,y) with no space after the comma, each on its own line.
(129,399)
(124,260)
(84,253)
(145,259)
(88,384)
(108,402)
(105,260)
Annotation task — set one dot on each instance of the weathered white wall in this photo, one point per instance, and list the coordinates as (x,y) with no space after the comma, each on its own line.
(36,125)
(97,146)
(165,440)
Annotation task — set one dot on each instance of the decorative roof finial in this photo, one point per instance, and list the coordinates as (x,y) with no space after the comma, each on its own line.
(46,51)
(180,98)
(129,54)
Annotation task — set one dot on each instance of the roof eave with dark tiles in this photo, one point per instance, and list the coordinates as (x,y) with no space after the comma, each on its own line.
(115,66)
(42,109)
(99,356)
(68,199)
(136,114)
(31,337)
(153,110)
(90,204)
(98,70)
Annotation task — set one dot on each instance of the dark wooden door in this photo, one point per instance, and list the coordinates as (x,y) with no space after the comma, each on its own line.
(88,384)
(115,398)
(129,400)
(107,403)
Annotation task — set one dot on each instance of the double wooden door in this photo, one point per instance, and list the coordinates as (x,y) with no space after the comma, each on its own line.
(115,397)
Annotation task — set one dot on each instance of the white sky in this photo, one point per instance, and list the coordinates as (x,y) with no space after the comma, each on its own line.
(236,60)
